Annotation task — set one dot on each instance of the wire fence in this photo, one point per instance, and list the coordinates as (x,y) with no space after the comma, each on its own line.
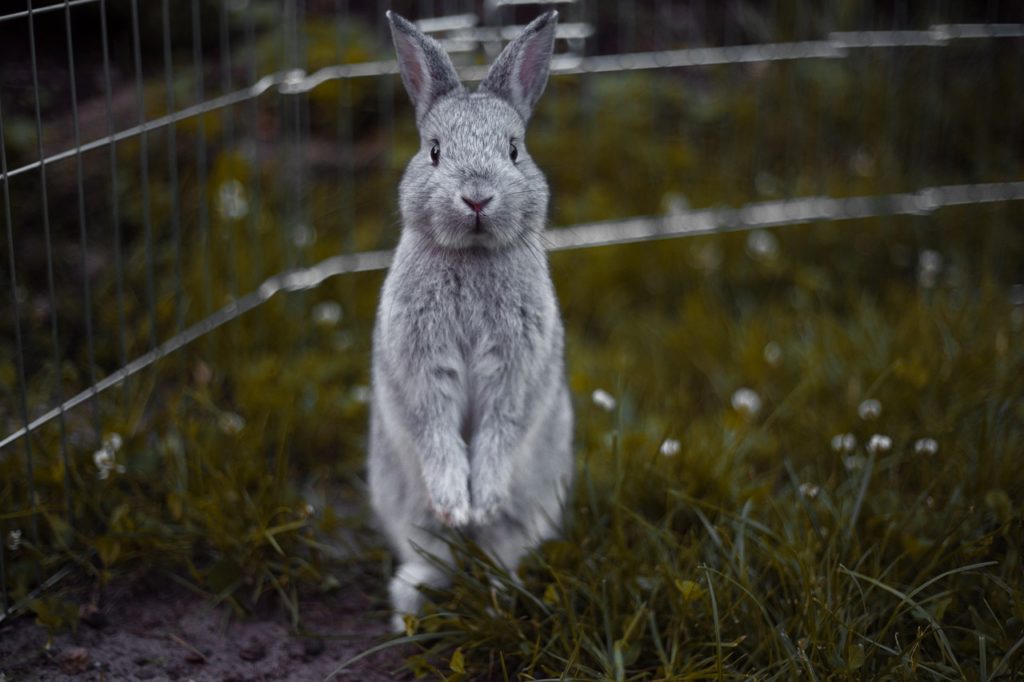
(138,174)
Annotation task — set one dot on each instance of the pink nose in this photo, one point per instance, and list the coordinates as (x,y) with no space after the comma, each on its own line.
(477,206)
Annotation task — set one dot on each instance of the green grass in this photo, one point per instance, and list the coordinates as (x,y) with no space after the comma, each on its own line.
(756,550)
(752,549)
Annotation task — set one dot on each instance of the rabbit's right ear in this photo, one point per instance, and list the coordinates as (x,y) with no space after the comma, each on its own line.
(426,69)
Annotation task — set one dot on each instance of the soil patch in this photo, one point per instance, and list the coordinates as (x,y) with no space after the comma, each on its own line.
(174,634)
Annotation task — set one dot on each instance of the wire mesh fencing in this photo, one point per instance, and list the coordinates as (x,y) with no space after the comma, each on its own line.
(168,168)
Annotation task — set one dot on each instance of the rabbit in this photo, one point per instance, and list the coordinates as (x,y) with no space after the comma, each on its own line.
(470,414)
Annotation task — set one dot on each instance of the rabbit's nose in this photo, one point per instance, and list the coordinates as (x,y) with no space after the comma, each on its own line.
(477,205)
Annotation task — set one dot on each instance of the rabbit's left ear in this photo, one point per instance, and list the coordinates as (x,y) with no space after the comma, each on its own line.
(426,69)
(521,70)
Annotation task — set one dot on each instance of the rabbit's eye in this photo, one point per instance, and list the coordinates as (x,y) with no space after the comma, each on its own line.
(435,153)
(513,151)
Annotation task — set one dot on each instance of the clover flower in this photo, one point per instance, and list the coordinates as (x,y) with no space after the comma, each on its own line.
(232,423)
(327,313)
(762,245)
(844,442)
(929,265)
(926,446)
(809,490)
(105,458)
(746,401)
(669,447)
(869,409)
(879,443)
(603,399)
(232,202)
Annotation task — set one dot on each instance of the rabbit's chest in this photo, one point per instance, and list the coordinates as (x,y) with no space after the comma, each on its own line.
(491,314)
(480,315)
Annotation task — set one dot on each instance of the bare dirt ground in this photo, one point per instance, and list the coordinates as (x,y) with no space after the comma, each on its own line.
(172,634)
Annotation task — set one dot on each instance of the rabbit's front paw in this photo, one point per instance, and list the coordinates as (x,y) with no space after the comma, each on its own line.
(452,510)
(490,498)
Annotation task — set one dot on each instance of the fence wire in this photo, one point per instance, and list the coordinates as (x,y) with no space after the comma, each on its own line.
(295,81)
(274,59)
(767,214)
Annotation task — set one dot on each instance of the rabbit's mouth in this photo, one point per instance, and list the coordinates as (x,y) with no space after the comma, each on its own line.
(479,230)
(465,229)
(477,224)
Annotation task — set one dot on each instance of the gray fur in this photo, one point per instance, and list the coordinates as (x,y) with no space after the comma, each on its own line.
(520,72)
(426,69)
(471,421)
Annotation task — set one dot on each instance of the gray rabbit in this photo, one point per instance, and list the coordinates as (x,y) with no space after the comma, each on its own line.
(471,420)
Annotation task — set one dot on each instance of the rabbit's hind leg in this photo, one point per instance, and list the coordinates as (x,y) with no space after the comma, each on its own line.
(406,597)
(400,503)
(423,552)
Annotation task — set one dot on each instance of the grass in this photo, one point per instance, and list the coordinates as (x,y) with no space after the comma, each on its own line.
(706,539)
(757,550)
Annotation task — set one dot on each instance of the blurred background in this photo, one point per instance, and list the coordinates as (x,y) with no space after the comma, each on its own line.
(198,199)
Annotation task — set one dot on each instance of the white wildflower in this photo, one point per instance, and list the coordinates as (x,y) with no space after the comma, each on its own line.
(929,265)
(879,443)
(14,539)
(670,447)
(869,409)
(104,461)
(762,245)
(603,399)
(232,423)
(809,490)
(746,401)
(772,353)
(104,458)
(307,510)
(232,202)
(926,446)
(844,442)
(113,442)
(327,313)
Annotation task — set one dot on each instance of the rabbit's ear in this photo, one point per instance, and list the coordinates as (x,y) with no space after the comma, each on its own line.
(426,69)
(521,70)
